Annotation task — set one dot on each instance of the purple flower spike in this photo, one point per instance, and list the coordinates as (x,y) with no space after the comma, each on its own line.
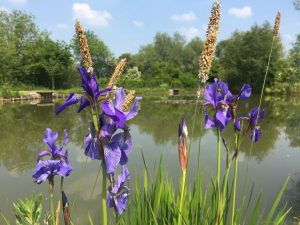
(112,154)
(117,196)
(57,164)
(245,92)
(253,121)
(217,95)
(114,109)
(91,148)
(91,92)
(50,139)
(71,100)
(47,169)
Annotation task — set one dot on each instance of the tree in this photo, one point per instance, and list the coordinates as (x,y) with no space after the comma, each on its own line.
(103,62)
(28,56)
(53,63)
(244,57)
(294,58)
(191,54)
(18,37)
(169,51)
(297,4)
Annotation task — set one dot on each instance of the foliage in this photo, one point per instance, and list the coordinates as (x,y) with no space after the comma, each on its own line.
(28,56)
(7,91)
(53,64)
(297,4)
(169,60)
(29,210)
(294,59)
(103,62)
(244,56)
(156,202)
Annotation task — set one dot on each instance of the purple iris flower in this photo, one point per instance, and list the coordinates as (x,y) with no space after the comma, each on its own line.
(47,169)
(253,120)
(116,148)
(244,93)
(217,95)
(90,95)
(117,151)
(57,164)
(114,109)
(117,196)
(50,139)
(91,144)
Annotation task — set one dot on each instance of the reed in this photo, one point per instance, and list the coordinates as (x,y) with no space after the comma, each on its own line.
(84,47)
(209,48)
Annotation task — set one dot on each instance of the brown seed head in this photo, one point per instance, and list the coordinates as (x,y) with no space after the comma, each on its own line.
(117,73)
(277,24)
(84,48)
(130,96)
(209,47)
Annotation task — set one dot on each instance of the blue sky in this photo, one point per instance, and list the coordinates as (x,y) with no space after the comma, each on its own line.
(126,25)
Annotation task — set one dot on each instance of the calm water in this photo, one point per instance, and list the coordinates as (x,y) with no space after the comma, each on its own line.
(154,131)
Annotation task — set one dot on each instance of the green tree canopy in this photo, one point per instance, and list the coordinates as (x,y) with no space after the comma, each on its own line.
(294,59)
(244,56)
(28,56)
(169,60)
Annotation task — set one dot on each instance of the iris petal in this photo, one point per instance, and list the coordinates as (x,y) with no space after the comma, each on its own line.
(134,109)
(71,100)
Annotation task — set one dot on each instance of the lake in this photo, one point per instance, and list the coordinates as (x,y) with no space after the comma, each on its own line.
(154,132)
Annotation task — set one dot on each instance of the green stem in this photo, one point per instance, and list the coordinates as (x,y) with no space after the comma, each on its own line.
(104,209)
(95,120)
(52,209)
(263,86)
(4,219)
(265,77)
(234,189)
(236,142)
(219,157)
(182,196)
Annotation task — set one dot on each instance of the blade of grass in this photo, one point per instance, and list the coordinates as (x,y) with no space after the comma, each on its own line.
(278,198)
(90,219)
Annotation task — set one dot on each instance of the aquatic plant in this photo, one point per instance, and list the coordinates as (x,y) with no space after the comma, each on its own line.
(56,163)
(209,48)
(109,137)
(183,160)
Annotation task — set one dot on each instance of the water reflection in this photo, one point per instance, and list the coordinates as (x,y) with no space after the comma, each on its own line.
(154,131)
(22,127)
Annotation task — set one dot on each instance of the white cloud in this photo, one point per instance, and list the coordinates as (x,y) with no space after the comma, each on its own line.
(138,23)
(61,26)
(17,2)
(190,32)
(190,16)
(2,8)
(83,12)
(241,13)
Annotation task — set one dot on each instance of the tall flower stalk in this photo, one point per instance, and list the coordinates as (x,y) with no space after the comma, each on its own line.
(51,162)
(206,59)
(209,48)
(275,35)
(183,160)
(109,137)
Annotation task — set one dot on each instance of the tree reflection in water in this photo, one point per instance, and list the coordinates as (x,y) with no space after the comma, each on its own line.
(22,126)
